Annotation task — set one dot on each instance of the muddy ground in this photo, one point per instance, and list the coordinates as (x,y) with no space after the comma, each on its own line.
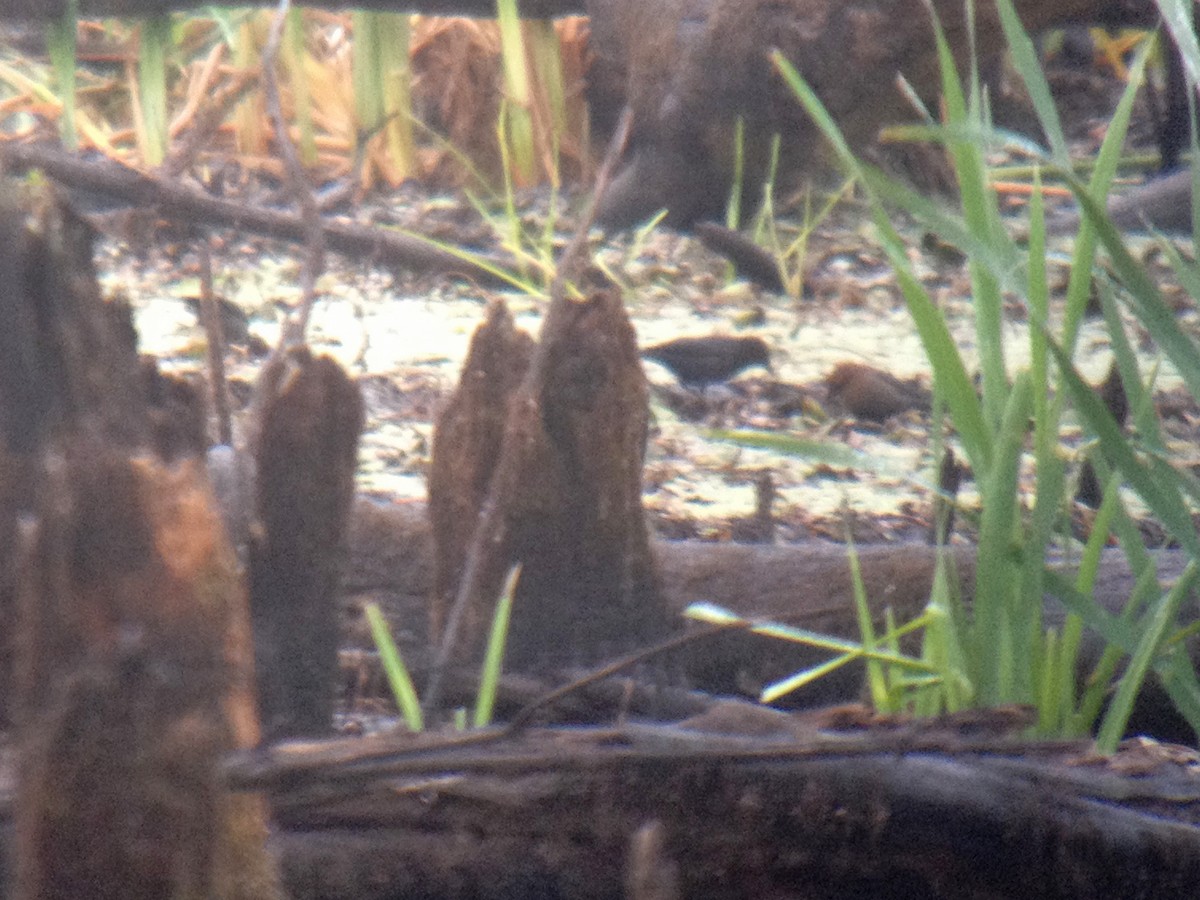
(405,339)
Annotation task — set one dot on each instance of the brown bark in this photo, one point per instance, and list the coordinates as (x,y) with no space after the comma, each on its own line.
(541,464)
(466,444)
(808,585)
(134,666)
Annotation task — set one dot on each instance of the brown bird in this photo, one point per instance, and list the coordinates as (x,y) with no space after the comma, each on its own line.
(869,393)
(701,361)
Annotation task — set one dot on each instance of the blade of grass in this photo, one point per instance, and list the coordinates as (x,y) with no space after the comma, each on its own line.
(1001,647)
(61,37)
(1153,482)
(983,219)
(1164,615)
(153,43)
(950,375)
(876,682)
(1027,64)
(293,59)
(489,679)
(518,95)
(393,667)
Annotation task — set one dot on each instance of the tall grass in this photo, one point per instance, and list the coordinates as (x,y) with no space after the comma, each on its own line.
(1001,649)
(349,82)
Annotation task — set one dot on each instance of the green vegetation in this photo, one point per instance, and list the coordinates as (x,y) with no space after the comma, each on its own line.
(401,684)
(1000,649)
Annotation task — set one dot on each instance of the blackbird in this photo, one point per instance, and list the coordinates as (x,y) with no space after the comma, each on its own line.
(701,361)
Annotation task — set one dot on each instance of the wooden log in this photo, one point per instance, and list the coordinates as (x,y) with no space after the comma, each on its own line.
(808,585)
(173,200)
(953,808)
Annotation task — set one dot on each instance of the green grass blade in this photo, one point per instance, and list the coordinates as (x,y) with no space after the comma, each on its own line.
(153,44)
(1154,482)
(1164,615)
(876,681)
(1001,646)
(519,94)
(61,39)
(396,77)
(364,71)
(1094,222)
(393,667)
(493,660)
(293,59)
(1028,66)
(950,373)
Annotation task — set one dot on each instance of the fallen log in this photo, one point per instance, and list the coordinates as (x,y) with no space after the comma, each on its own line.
(172,199)
(919,810)
(808,585)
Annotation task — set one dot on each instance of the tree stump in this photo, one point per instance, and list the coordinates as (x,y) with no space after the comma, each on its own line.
(307,453)
(129,615)
(556,487)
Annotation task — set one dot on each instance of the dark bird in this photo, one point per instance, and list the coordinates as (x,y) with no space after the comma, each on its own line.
(701,361)
(751,261)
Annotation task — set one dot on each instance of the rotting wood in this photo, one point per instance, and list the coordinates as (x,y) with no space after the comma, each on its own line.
(466,444)
(751,803)
(564,466)
(808,585)
(133,671)
(563,498)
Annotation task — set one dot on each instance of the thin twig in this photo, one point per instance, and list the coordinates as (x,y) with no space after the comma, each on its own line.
(526,714)
(210,315)
(314,234)
(574,257)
